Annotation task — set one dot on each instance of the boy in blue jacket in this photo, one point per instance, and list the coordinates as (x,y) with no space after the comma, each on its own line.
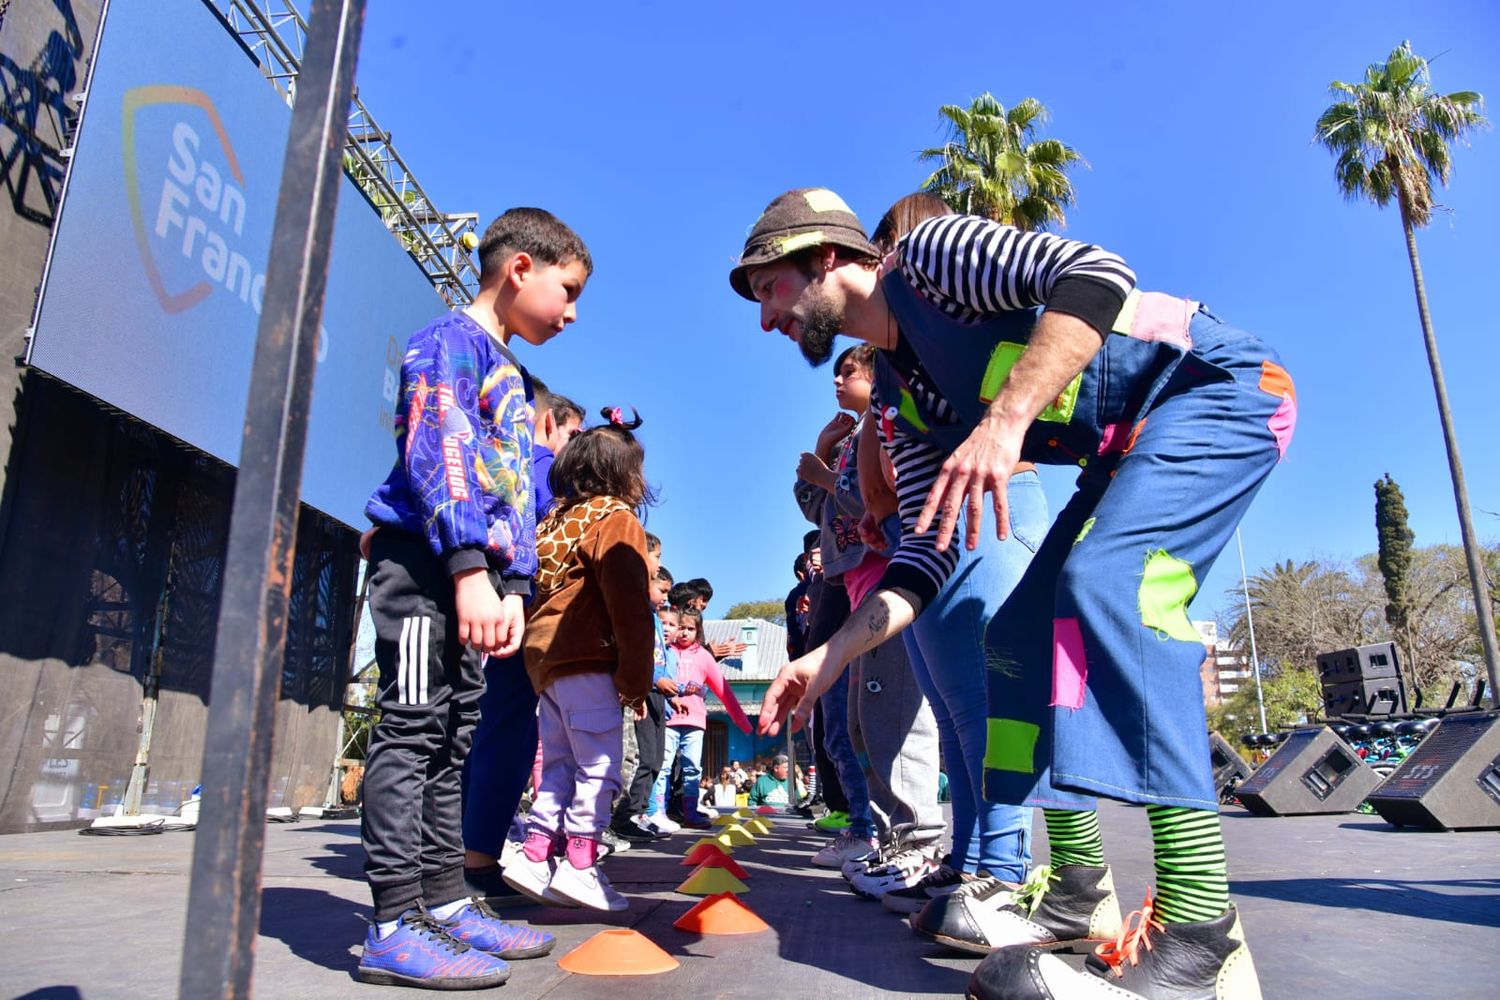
(451,560)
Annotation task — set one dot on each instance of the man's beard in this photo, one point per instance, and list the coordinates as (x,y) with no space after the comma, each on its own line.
(824,323)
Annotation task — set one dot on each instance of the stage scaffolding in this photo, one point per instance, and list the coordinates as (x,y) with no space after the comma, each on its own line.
(274,32)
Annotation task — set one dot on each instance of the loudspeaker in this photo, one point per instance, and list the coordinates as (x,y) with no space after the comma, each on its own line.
(1372,662)
(1313,772)
(1229,767)
(1371,696)
(1451,781)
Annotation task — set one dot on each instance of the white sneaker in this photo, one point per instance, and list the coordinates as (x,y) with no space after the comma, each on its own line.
(662,823)
(842,848)
(533,879)
(510,852)
(902,871)
(587,887)
(873,858)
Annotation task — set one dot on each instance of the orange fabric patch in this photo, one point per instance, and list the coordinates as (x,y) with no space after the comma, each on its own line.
(1275,380)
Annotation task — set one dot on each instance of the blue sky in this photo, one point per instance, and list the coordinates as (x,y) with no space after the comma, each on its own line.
(660,130)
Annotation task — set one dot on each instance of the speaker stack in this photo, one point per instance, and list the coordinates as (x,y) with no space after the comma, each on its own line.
(1365,680)
(1451,781)
(1312,772)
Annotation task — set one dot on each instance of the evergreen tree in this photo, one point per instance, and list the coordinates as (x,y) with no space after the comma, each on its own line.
(1394,558)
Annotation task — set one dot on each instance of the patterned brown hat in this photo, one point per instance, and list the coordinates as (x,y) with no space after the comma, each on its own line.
(806,217)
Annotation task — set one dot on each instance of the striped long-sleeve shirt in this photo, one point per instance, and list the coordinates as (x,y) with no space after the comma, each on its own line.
(971,269)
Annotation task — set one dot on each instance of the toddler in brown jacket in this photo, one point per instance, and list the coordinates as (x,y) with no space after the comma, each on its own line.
(589,645)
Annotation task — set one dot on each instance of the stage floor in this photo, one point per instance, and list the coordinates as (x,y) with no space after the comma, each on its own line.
(1334,907)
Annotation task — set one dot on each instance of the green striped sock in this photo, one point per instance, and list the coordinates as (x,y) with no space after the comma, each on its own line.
(1074,836)
(1192,878)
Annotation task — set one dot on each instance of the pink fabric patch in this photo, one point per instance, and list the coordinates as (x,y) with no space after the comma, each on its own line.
(1282,423)
(1160,317)
(1114,437)
(1070,670)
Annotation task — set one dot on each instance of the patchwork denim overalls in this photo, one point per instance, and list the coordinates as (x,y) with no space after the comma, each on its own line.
(1094,684)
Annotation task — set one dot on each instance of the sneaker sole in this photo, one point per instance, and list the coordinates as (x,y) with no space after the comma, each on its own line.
(521,954)
(384,977)
(974,948)
(546,897)
(611,908)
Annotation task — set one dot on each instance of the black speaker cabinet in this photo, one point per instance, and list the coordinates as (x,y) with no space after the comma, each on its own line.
(1451,781)
(1313,772)
(1229,767)
(1372,662)
(1371,696)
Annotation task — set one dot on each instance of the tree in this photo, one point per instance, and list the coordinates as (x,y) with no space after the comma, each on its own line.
(1394,538)
(771,610)
(1391,137)
(993,164)
(1292,695)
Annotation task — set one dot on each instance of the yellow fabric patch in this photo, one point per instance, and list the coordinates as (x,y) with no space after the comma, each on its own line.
(1002,359)
(824,200)
(1167,585)
(1126,319)
(792,244)
(1011,746)
(1084,531)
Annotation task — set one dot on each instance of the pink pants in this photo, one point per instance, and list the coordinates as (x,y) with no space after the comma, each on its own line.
(580,724)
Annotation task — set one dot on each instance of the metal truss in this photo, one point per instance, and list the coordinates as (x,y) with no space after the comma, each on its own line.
(275,32)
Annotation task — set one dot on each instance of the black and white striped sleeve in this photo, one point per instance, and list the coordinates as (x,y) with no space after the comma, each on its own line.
(971,268)
(916,566)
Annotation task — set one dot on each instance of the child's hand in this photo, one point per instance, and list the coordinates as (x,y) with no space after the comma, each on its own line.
(667,686)
(514,609)
(482,621)
(870,533)
(638,711)
(834,431)
(678,707)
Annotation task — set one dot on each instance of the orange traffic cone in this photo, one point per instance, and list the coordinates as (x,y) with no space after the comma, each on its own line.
(725,862)
(709,881)
(617,952)
(702,851)
(721,914)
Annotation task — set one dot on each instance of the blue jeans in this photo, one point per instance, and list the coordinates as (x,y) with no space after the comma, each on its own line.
(688,741)
(840,749)
(499,763)
(947,651)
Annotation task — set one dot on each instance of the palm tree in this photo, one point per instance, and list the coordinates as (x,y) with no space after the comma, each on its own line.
(1391,137)
(992,164)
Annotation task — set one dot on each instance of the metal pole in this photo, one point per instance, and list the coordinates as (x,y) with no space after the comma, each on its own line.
(224,896)
(1260,698)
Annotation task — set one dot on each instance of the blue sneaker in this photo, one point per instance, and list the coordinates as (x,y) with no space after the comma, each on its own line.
(422,952)
(478,926)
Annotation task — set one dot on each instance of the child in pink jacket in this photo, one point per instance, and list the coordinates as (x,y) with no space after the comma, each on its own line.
(696,669)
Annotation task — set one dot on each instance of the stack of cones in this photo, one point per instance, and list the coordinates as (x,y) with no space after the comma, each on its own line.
(711,880)
(720,914)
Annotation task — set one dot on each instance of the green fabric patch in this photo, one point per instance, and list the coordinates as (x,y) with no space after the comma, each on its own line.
(1002,360)
(1167,585)
(1011,746)
(791,244)
(824,200)
(1084,531)
(908,410)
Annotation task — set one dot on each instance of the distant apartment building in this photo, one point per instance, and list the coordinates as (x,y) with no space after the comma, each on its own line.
(1225,668)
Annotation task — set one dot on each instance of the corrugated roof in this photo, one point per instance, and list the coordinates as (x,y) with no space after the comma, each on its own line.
(765,651)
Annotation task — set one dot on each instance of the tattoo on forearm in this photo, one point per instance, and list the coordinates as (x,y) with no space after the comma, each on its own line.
(879,620)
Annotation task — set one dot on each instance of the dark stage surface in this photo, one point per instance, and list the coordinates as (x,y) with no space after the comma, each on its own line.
(1334,907)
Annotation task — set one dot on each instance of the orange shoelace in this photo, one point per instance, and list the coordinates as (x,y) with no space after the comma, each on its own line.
(1135,932)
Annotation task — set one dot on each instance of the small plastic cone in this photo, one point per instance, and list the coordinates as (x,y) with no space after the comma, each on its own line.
(758,826)
(709,881)
(719,840)
(766,811)
(617,952)
(721,914)
(738,836)
(743,812)
(703,850)
(725,862)
(725,820)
